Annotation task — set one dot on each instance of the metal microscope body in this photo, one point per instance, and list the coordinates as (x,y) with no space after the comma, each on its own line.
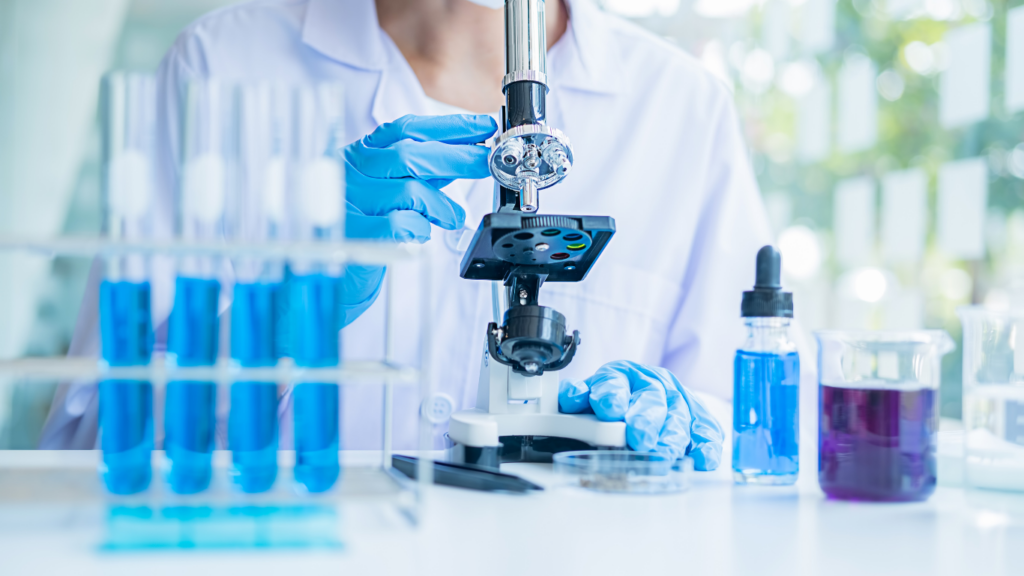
(516,416)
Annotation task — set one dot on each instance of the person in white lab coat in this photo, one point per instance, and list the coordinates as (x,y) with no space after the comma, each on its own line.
(658,146)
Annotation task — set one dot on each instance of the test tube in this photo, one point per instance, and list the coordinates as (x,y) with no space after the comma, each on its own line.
(126,329)
(314,296)
(258,216)
(207,141)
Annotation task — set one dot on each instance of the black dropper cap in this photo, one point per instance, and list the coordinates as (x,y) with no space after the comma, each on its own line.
(767,298)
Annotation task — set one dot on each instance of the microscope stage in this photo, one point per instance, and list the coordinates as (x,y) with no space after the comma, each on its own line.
(561,248)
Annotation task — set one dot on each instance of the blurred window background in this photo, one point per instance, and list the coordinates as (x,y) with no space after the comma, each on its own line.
(888,141)
(887,137)
(53,54)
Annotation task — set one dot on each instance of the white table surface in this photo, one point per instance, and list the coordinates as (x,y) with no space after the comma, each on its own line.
(714,528)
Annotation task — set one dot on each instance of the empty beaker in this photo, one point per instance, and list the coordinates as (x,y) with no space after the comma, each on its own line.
(879,418)
(993,397)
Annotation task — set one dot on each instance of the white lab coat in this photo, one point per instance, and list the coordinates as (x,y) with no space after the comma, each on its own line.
(658,146)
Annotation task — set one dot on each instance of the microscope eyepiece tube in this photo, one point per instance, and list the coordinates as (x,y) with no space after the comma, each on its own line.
(525,83)
(526,103)
(526,42)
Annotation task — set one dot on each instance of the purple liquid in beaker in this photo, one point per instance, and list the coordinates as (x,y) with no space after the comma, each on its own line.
(877,444)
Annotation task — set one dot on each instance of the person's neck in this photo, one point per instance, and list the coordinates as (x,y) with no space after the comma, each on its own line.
(457,48)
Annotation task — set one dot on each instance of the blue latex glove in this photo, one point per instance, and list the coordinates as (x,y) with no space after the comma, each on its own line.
(393,181)
(394,176)
(661,415)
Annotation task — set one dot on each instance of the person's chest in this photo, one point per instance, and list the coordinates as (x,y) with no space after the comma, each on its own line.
(624,168)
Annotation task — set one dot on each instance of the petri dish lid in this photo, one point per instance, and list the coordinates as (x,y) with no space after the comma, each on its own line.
(623,471)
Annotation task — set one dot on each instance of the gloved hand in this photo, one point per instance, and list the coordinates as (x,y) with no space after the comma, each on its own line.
(393,181)
(394,176)
(661,415)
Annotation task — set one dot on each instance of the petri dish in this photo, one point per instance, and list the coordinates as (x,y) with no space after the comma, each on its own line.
(623,471)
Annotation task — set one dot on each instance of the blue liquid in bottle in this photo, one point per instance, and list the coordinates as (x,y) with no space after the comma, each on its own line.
(252,426)
(766,383)
(126,406)
(315,307)
(766,417)
(190,412)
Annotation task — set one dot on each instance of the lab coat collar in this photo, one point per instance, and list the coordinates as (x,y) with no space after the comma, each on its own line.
(592,64)
(347,31)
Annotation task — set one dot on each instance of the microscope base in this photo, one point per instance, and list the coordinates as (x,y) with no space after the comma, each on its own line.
(516,449)
(489,439)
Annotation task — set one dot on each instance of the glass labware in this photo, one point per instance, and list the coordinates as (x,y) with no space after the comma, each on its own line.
(623,471)
(993,397)
(878,413)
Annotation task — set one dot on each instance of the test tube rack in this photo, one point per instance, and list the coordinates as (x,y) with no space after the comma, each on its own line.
(373,480)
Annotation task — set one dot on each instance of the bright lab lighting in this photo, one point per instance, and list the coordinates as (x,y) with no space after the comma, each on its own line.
(799,78)
(720,8)
(1015,161)
(737,54)
(996,228)
(642,8)
(890,85)
(943,9)
(713,58)
(869,284)
(980,10)
(997,299)
(940,55)
(758,70)
(997,158)
(894,9)
(955,284)
(988,520)
(801,252)
(779,147)
(919,57)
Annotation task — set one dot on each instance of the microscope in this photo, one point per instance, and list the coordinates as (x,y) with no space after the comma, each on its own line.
(516,418)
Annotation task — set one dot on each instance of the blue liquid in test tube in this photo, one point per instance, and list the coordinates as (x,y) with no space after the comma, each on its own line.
(314,303)
(317,205)
(190,411)
(252,427)
(126,406)
(128,111)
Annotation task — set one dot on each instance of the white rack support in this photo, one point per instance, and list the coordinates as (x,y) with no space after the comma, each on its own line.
(356,252)
(385,372)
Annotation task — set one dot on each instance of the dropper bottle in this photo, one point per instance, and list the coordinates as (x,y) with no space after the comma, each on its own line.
(766,380)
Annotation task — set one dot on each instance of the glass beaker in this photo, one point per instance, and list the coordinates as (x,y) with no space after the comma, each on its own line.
(878,413)
(993,397)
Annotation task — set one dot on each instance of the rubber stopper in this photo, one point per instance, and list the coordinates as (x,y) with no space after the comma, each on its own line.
(769,269)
